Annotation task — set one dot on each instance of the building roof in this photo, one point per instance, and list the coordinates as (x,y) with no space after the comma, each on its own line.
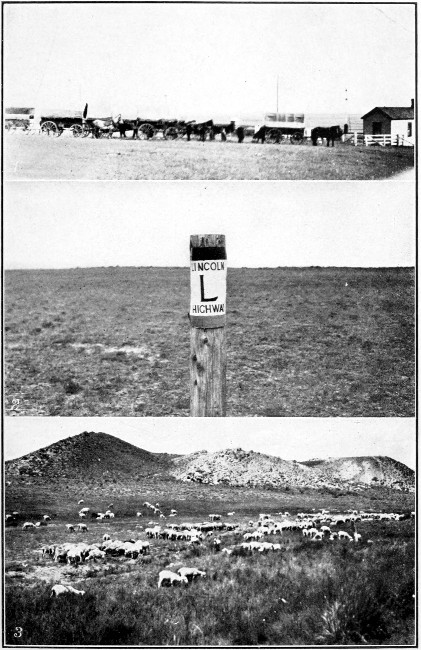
(394,112)
(13,110)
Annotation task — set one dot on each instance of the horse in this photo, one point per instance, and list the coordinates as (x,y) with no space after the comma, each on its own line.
(104,126)
(201,129)
(128,125)
(240,133)
(331,133)
(260,134)
(222,129)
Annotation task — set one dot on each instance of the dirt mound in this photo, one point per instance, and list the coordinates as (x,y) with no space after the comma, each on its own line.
(88,456)
(368,470)
(240,468)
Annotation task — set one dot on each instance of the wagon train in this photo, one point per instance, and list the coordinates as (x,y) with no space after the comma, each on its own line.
(274,127)
(140,128)
(55,123)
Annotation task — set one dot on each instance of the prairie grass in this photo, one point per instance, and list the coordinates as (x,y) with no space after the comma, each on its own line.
(121,346)
(69,158)
(308,593)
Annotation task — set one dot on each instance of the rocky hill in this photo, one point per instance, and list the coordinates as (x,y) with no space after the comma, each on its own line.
(368,470)
(241,468)
(89,456)
(99,456)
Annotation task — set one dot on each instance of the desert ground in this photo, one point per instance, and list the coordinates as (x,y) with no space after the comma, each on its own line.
(300,342)
(302,592)
(38,156)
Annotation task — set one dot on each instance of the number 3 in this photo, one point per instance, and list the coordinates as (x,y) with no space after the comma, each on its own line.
(18,632)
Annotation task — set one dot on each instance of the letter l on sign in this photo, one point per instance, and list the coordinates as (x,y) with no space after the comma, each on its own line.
(202,292)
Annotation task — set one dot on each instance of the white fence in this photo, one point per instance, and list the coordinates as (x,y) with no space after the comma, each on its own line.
(384,140)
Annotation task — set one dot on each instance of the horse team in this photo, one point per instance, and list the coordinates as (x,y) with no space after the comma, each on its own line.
(201,131)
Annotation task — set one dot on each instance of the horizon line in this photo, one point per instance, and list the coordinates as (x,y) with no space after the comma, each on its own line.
(201,451)
(186,267)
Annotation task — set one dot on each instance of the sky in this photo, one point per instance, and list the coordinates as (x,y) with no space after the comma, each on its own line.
(201,60)
(288,438)
(67,224)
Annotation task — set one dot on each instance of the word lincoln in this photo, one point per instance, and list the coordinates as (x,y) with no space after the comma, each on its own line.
(208,266)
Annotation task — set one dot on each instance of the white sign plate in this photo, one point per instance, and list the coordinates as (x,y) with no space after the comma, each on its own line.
(208,288)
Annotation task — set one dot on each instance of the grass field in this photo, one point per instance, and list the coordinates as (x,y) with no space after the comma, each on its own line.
(115,341)
(39,157)
(307,593)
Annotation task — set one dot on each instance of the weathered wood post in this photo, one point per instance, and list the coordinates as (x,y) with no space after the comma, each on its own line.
(208,357)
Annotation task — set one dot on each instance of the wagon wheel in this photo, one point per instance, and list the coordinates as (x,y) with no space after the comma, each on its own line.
(77,130)
(50,128)
(86,130)
(274,136)
(171,133)
(297,138)
(146,131)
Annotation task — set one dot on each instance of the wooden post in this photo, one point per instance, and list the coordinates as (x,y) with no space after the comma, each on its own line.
(208,358)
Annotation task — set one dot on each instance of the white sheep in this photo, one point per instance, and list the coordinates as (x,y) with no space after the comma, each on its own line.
(318,537)
(256,535)
(344,535)
(28,524)
(191,572)
(70,528)
(58,590)
(95,554)
(106,537)
(171,577)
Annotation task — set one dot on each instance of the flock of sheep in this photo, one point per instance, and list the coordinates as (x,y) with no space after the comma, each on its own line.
(316,526)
